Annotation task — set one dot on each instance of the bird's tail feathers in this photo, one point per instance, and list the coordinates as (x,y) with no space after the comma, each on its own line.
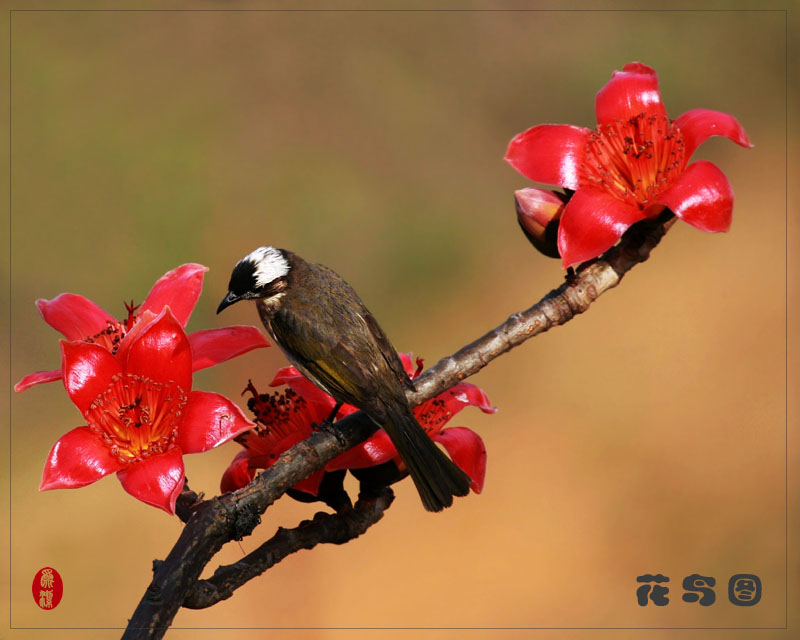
(436,477)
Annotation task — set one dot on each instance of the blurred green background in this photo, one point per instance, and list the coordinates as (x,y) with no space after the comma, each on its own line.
(646,436)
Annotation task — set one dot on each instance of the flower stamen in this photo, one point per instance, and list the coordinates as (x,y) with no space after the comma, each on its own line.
(136,416)
(277,416)
(434,416)
(634,159)
(110,337)
(132,317)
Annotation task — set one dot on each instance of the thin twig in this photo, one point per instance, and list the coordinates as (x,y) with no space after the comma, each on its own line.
(331,528)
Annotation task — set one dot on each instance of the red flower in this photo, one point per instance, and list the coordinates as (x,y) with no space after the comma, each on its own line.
(283,419)
(77,318)
(288,417)
(141,415)
(630,167)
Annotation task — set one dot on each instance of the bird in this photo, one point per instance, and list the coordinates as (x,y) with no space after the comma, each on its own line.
(327,332)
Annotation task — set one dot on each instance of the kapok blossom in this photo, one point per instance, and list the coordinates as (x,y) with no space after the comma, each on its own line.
(78,318)
(141,414)
(289,416)
(632,166)
(283,419)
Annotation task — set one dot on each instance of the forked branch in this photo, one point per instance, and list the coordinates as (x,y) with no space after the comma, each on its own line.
(211,523)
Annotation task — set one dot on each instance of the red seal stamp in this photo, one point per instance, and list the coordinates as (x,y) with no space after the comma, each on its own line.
(47,588)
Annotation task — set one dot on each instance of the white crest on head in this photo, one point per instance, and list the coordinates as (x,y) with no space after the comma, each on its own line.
(269,264)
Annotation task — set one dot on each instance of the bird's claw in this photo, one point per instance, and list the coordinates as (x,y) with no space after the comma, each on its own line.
(329,427)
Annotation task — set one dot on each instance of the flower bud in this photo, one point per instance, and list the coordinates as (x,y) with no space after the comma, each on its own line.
(538,213)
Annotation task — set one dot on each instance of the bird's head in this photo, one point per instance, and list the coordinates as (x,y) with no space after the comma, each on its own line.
(260,274)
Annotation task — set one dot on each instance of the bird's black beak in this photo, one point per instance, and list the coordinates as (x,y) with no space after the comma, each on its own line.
(227,301)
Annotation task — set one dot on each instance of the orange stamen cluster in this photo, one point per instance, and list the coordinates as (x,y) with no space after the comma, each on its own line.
(634,159)
(137,417)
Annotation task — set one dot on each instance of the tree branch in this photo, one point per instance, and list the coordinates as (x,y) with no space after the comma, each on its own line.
(558,307)
(331,528)
(212,523)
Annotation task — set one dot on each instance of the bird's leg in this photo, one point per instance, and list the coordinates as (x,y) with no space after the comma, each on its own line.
(332,417)
(328,425)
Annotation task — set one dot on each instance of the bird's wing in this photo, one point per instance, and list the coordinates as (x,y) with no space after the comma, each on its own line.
(338,344)
(323,358)
(387,350)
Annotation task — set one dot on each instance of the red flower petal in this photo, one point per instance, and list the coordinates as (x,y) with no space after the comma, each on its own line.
(375,450)
(468,452)
(74,316)
(408,364)
(37,377)
(592,222)
(143,322)
(629,92)
(698,125)
(162,352)
(180,289)
(264,450)
(156,481)
(78,458)
(87,369)
(212,346)
(284,375)
(238,474)
(701,196)
(311,483)
(549,153)
(433,414)
(209,419)
(242,469)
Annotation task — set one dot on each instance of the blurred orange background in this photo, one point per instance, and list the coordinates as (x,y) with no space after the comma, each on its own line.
(648,435)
